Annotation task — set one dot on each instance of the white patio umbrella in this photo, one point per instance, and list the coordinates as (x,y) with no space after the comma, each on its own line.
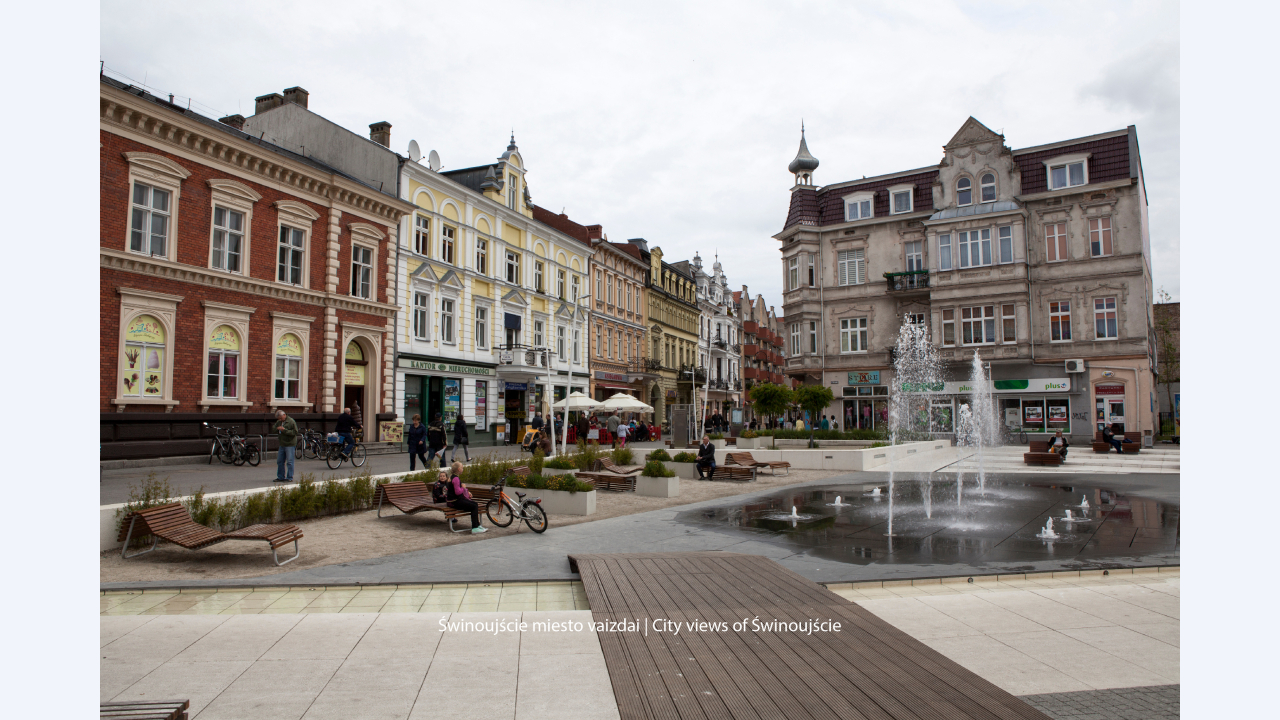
(577,400)
(626,403)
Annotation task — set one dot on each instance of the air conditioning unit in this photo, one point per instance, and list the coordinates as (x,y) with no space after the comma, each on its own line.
(1075,366)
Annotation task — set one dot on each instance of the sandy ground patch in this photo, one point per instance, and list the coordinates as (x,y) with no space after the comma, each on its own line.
(363,535)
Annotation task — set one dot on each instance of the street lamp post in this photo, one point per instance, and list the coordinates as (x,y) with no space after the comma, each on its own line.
(568,388)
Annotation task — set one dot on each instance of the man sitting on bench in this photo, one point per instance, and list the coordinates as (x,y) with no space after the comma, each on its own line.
(1058,444)
(1110,437)
(706,458)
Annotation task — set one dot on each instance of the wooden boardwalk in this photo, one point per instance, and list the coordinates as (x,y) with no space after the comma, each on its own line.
(868,669)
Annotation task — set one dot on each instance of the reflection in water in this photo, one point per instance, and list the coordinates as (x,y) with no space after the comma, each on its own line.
(1001,526)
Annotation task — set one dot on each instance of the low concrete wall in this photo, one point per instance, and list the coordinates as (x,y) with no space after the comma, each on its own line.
(852,460)
(767,441)
(688,471)
(658,487)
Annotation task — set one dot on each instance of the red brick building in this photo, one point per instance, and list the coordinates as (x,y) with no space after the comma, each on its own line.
(237,277)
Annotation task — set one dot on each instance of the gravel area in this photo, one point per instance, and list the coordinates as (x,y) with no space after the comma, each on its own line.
(363,535)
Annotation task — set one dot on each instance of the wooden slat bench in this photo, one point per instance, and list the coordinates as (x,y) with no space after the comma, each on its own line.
(1102,446)
(173,523)
(745,458)
(609,466)
(736,473)
(1040,455)
(609,481)
(146,710)
(414,497)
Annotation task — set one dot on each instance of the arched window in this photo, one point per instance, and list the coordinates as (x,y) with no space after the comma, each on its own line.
(988,187)
(224,363)
(288,385)
(144,348)
(964,191)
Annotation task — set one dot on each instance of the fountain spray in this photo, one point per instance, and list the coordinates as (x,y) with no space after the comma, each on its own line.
(916,374)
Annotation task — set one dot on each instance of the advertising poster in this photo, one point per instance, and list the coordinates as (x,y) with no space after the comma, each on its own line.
(1177,415)
(1057,413)
(452,400)
(1011,417)
(482,405)
(390,431)
(1035,415)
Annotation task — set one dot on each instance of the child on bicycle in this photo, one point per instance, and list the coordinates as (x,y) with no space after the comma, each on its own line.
(460,498)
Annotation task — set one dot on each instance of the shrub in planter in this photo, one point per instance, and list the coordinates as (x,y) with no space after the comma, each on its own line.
(659,454)
(535,465)
(655,468)
(624,456)
(587,455)
(716,436)
(685,457)
(559,462)
(566,483)
(748,434)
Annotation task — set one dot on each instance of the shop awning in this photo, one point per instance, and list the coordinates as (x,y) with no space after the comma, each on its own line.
(511,322)
(613,385)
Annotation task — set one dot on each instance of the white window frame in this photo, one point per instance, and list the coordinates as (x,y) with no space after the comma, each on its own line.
(793,272)
(288,246)
(982,187)
(985,322)
(561,285)
(859,206)
(1008,323)
(239,356)
(1004,238)
(915,253)
(232,196)
(970,241)
(945,256)
(159,172)
(1060,316)
(599,339)
(1103,311)
(448,320)
(300,327)
(237,318)
(421,323)
(795,339)
(512,274)
(297,217)
(482,256)
(1056,248)
(813,337)
(482,327)
(512,189)
(853,335)
(448,243)
(949,323)
(962,189)
(369,281)
(851,267)
(577,346)
(608,289)
(1100,232)
(539,333)
(896,190)
(227,232)
(421,235)
(560,342)
(1064,162)
(811,265)
(538,273)
(573,289)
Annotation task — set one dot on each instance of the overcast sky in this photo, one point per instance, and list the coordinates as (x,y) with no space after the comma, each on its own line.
(675,121)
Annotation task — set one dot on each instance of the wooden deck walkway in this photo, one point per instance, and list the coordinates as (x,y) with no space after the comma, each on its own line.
(868,669)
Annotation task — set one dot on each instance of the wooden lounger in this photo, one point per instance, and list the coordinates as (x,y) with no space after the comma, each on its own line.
(609,481)
(415,497)
(609,466)
(146,710)
(745,458)
(173,523)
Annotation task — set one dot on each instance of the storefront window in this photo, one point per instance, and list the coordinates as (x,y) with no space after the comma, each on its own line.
(1033,415)
(288,367)
(224,363)
(1011,413)
(941,416)
(143,372)
(1059,414)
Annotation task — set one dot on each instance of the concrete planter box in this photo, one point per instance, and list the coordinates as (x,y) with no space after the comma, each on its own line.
(658,487)
(688,471)
(548,472)
(852,459)
(560,502)
(720,443)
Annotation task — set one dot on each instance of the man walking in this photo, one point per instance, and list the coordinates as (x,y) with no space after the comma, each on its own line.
(612,424)
(287,435)
(436,439)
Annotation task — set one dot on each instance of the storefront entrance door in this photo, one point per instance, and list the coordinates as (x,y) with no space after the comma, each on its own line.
(1115,414)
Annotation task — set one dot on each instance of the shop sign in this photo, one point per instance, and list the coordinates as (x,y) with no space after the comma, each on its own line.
(390,431)
(444,367)
(1033,385)
(865,378)
(353,374)
(517,386)
(1109,390)
(614,377)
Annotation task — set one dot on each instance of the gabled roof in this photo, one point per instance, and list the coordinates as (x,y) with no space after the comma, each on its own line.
(562,223)
(973,132)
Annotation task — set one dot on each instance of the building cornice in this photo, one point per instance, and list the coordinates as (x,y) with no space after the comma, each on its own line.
(127,115)
(154,267)
(1077,190)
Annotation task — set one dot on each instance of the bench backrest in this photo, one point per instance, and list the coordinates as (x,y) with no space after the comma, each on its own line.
(740,458)
(157,519)
(403,490)
(479,492)
(1039,446)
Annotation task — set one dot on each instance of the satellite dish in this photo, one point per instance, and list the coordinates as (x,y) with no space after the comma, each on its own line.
(433,160)
(415,153)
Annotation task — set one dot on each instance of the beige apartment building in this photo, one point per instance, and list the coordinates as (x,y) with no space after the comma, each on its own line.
(618,321)
(762,359)
(1037,259)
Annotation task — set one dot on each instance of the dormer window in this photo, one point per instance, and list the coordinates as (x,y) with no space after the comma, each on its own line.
(901,199)
(988,187)
(1068,171)
(964,192)
(859,207)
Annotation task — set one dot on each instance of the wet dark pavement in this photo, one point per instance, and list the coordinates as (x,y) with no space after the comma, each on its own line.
(1138,529)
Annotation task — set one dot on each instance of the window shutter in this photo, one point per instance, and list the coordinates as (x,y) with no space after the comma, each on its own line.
(842,265)
(860,264)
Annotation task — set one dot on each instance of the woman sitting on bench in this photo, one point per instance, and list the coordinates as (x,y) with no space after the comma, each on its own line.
(1058,444)
(460,497)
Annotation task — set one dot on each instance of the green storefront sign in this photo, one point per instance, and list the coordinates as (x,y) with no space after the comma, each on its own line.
(1036,385)
(441,367)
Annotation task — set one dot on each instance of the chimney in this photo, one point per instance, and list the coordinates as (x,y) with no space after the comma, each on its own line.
(380,132)
(267,102)
(296,95)
(235,121)
(595,232)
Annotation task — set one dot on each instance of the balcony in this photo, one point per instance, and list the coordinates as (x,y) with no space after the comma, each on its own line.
(719,343)
(750,350)
(736,349)
(644,366)
(751,373)
(908,281)
(688,373)
(522,355)
(750,327)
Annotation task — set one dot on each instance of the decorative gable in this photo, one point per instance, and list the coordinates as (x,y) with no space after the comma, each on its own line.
(973,133)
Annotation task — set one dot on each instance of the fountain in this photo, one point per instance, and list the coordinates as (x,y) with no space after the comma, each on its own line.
(1084,502)
(1070,519)
(1048,533)
(838,504)
(794,516)
(928,496)
(981,415)
(916,374)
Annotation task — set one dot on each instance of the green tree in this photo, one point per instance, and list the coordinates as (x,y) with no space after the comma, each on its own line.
(814,399)
(770,399)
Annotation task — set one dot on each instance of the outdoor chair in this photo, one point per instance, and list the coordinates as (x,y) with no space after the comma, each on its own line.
(173,523)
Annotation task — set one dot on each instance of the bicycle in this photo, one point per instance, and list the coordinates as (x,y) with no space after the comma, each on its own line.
(311,445)
(502,510)
(221,445)
(243,451)
(334,457)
